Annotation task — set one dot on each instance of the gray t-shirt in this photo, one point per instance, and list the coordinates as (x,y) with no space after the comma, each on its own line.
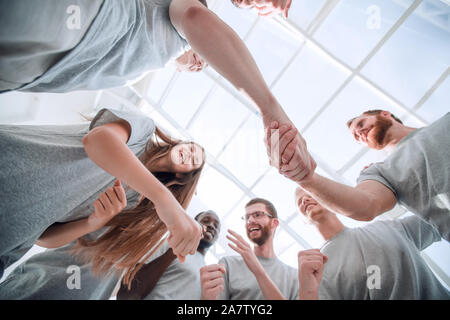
(56,274)
(241,284)
(381,261)
(126,39)
(180,281)
(47,177)
(418,173)
(34,35)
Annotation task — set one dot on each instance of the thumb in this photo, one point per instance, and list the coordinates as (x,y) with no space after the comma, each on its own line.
(117,183)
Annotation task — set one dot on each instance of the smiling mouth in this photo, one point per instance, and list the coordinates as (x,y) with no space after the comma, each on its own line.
(251,230)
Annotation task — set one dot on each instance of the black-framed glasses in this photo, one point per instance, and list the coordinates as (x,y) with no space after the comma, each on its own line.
(256,215)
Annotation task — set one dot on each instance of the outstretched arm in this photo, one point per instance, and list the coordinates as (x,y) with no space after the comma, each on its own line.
(106,146)
(146,278)
(222,48)
(363,202)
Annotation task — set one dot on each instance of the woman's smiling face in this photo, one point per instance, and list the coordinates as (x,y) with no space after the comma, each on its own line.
(186,157)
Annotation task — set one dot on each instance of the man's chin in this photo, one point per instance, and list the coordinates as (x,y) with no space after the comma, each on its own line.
(205,244)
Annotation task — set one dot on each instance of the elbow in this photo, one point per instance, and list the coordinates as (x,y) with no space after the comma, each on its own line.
(195,14)
(371,210)
(92,139)
(366,212)
(198,19)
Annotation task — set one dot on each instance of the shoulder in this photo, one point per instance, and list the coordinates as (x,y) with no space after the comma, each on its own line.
(233,261)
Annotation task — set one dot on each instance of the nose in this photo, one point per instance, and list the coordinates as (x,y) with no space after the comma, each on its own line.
(305,200)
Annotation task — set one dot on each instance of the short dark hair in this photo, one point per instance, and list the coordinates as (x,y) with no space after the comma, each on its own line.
(269,206)
(211,212)
(372,113)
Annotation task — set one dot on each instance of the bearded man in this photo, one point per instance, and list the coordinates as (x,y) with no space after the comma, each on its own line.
(256,273)
(416,174)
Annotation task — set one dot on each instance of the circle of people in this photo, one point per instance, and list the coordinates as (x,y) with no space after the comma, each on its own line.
(109,198)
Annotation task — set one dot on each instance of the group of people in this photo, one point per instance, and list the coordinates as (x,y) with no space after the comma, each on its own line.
(109,197)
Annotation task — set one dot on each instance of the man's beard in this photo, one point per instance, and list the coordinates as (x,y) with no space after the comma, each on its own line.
(204,244)
(265,234)
(380,130)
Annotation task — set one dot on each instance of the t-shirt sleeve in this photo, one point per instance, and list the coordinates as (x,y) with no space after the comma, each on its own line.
(374,172)
(421,233)
(225,294)
(142,126)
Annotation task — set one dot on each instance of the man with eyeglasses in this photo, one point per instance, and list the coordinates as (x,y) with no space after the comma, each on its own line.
(256,273)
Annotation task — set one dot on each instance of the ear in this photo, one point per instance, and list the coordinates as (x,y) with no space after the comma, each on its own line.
(275,222)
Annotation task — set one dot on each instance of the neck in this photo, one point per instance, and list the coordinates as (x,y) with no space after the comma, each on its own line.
(329,226)
(396,134)
(202,250)
(266,250)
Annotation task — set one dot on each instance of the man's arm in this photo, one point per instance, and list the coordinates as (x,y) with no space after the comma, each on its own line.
(146,278)
(363,202)
(222,48)
(268,288)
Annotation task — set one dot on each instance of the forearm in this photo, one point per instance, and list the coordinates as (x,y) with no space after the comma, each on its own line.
(309,293)
(268,288)
(146,278)
(58,235)
(113,155)
(340,198)
(222,48)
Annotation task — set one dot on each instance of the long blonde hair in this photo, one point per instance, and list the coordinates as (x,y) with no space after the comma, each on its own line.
(135,234)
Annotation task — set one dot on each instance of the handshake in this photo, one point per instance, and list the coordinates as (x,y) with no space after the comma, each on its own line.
(288,153)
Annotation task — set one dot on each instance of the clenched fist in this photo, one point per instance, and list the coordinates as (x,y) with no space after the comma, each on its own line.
(310,268)
(211,281)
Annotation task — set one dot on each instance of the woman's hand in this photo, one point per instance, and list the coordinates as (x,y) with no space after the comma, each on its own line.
(185,232)
(109,204)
